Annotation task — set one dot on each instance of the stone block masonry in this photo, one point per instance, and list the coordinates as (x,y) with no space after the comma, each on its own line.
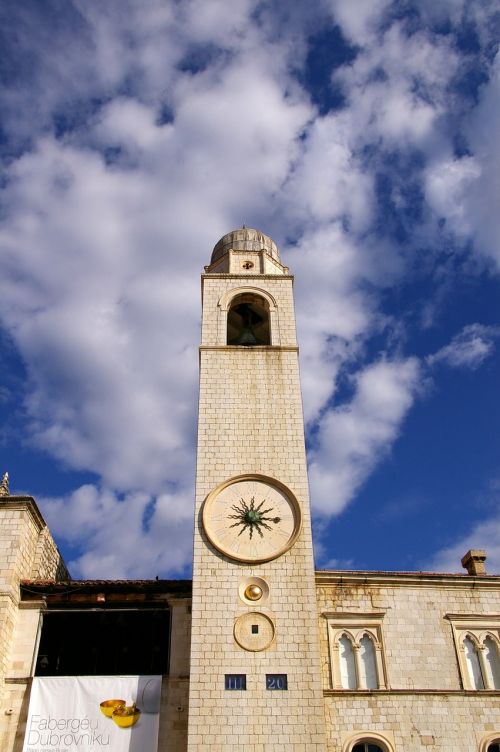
(250,421)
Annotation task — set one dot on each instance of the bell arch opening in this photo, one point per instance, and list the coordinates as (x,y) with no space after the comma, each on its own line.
(248,321)
(368,742)
(490,743)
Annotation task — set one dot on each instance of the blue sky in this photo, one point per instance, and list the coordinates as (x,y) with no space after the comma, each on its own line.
(364,138)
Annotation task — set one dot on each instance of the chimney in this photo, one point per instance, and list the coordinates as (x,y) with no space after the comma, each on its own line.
(473,561)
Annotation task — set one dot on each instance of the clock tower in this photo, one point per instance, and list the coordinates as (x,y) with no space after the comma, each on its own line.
(255,680)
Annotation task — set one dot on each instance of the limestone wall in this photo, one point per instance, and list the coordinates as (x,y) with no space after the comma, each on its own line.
(216,292)
(250,421)
(425,705)
(175,690)
(27,551)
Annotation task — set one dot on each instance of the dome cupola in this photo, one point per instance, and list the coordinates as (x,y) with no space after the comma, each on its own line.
(245,239)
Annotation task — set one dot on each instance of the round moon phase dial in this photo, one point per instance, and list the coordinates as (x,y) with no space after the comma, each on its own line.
(252,518)
(254,631)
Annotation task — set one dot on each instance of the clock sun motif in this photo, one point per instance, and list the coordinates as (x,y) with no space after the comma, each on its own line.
(252,518)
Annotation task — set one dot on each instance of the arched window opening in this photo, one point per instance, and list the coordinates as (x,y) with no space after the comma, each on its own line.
(248,321)
(473,664)
(494,746)
(368,665)
(348,677)
(492,663)
(368,742)
(478,650)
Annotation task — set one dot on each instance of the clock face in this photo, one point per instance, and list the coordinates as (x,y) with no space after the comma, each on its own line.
(252,518)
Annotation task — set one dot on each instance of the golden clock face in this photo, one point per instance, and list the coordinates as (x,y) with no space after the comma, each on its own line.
(252,518)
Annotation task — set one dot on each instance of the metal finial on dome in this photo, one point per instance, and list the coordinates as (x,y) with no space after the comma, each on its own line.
(4,485)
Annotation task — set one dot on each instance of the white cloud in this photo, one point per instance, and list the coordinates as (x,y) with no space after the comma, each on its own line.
(397,89)
(483,197)
(465,191)
(448,184)
(216,23)
(134,536)
(360,21)
(468,349)
(101,266)
(89,53)
(353,438)
(92,309)
(333,314)
(106,229)
(328,182)
(483,535)
(100,270)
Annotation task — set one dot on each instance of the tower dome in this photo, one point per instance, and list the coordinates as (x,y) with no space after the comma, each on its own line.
(245,239)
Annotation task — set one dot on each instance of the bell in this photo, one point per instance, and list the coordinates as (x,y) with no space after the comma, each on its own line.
(247,337)
(248,318)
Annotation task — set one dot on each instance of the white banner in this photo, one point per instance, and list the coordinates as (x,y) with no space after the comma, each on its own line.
(92,713)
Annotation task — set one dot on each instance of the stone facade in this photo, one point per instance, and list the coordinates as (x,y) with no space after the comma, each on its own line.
(424,705)
(250,422)
(172,733)
(27,550)
(374,658)
(64,594)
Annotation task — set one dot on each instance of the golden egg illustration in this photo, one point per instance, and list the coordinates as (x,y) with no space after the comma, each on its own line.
(108,706)
(126,716)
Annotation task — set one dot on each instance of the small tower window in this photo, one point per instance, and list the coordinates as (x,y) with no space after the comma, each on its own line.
(248,321)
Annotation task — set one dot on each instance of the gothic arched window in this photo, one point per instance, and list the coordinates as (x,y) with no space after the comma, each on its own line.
(348,675)
(356,652)
(477,640)
(367,663)
(248,321)
(473,665)
(491,663)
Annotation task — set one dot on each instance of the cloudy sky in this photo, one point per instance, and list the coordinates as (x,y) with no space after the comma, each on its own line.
(363,136)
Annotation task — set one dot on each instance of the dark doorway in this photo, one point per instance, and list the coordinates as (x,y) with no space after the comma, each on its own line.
(102,642)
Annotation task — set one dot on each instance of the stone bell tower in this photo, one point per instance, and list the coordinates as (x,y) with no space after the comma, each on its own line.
(255,679)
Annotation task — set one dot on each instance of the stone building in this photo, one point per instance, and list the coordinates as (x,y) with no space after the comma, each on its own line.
(259,652)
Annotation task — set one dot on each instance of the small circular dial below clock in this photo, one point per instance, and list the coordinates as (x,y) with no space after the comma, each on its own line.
(252,518)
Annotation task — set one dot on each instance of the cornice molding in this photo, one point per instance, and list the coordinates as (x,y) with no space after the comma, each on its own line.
(360,693)
(342,619)
(224,275)
(24,504)
(473,617)
(407,579)
(253,348)
(40,605)
(10,595)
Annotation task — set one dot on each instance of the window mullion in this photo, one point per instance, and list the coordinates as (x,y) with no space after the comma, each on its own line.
(335,665)
(360,676)
(380,666)
(483,667)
